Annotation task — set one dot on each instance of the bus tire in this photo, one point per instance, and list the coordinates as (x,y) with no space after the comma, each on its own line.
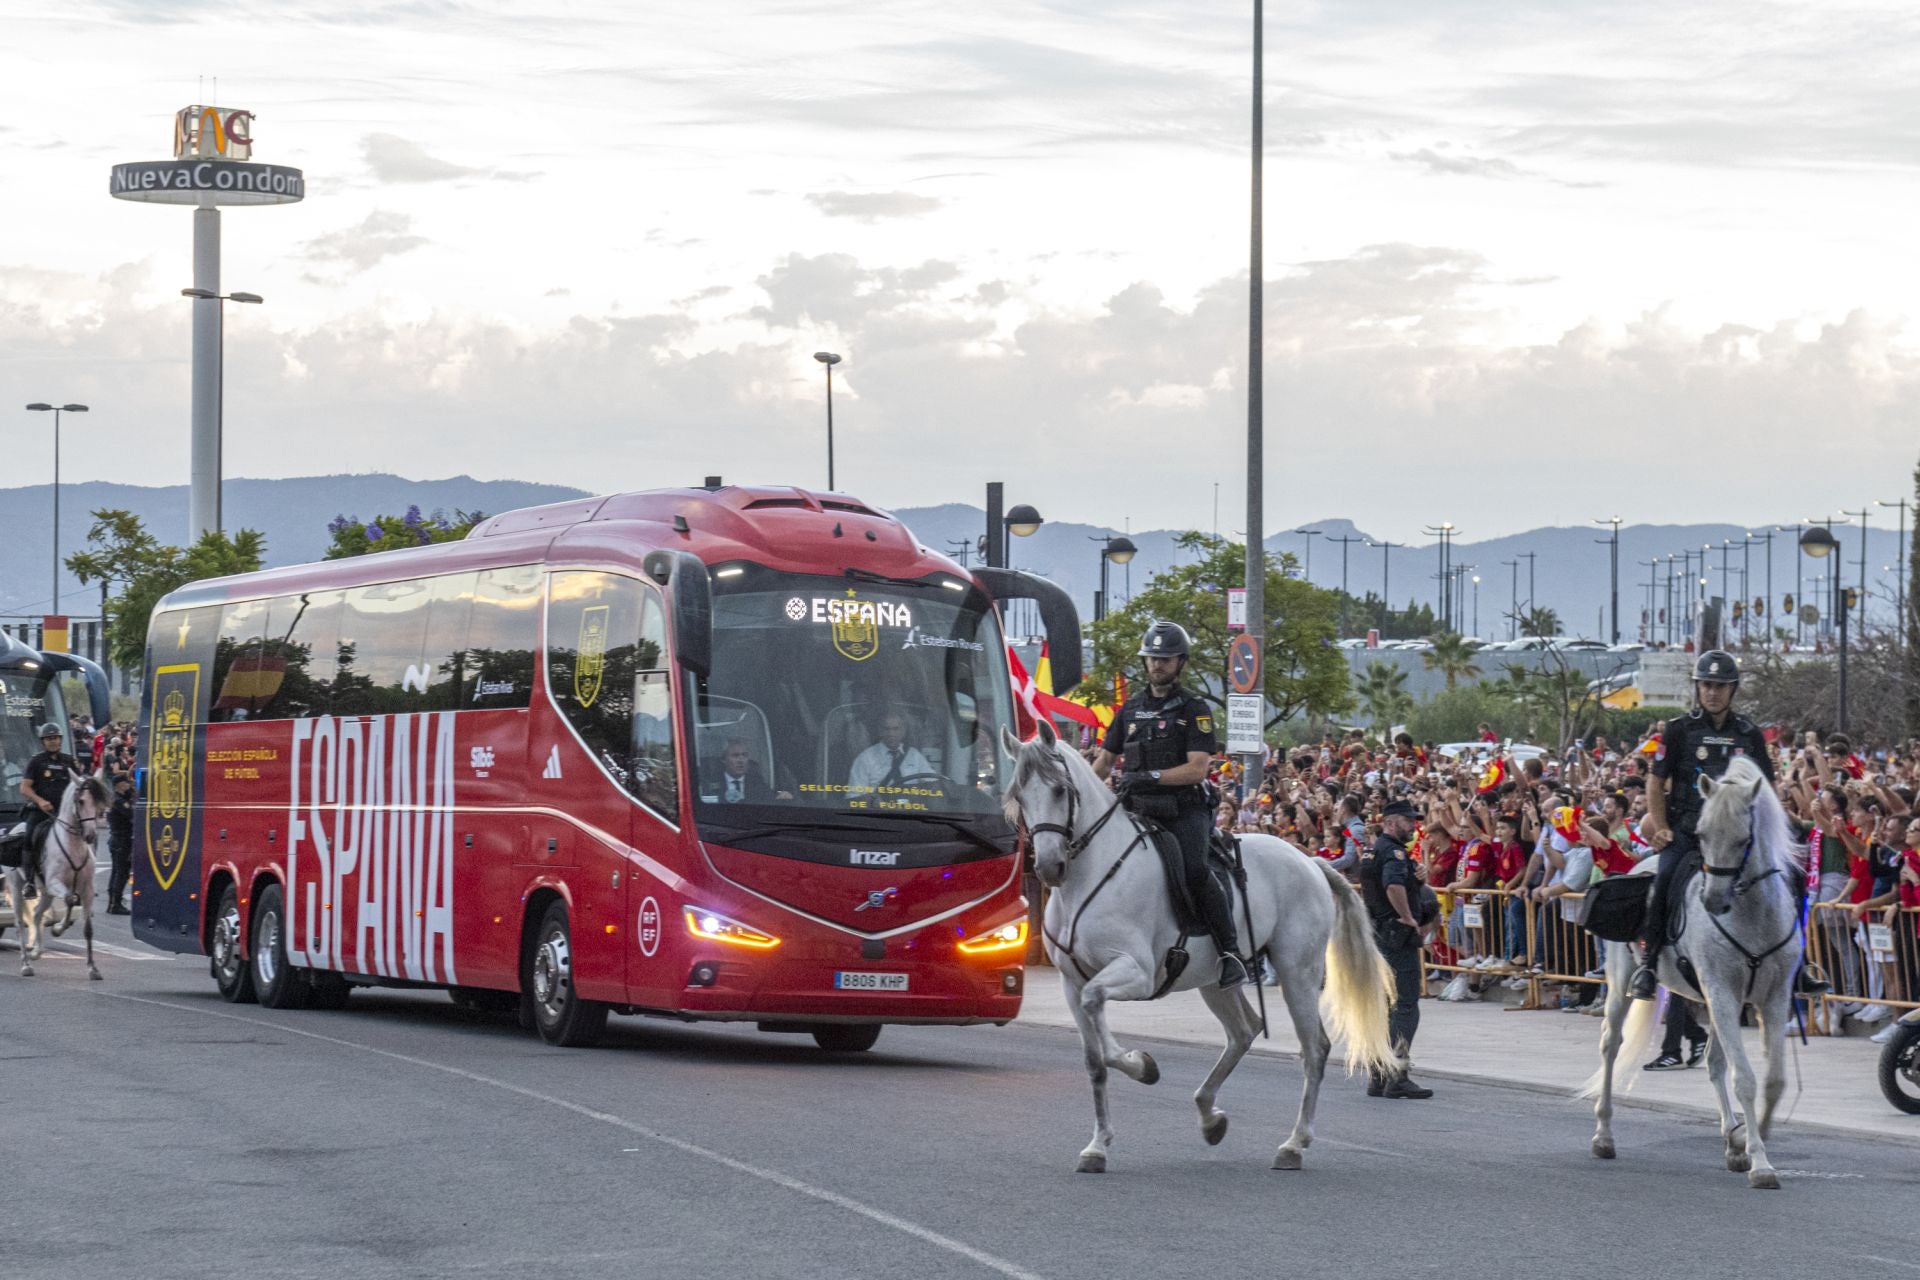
(276,983)
(232,971)
(559,1014)
(846,1039)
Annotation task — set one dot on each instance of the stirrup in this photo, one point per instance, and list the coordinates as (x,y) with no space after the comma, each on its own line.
(1645,979)
(1233,972)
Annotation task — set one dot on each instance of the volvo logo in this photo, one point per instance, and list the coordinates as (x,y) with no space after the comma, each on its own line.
(878,898)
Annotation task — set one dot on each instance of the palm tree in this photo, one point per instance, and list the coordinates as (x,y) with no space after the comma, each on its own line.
(1540,621)
(1451,657)
(1383,694)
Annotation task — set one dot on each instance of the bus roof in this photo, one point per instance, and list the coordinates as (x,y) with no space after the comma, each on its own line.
(790,528)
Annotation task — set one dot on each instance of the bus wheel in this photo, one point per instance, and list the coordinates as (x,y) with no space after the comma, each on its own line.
(559,1014)
(330,990)
(277,984)
(231,972)
(837,1039)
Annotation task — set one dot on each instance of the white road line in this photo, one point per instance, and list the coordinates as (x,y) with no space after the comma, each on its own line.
(924,1234)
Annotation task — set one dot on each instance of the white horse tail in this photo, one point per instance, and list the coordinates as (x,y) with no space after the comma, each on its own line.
(1359,983)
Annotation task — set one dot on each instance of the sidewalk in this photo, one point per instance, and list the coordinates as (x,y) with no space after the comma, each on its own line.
(1546,1051)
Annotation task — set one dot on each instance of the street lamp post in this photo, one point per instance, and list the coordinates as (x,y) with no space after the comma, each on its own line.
(56,410)
(211,472)
(1799,632)
(1444,531)
(1307,568)
(1863,513)
(1900,564)
(1117,549)
(1820,543)
(1476,604)
(829,359)
(1386,570)
(1513,617)
(1614,563)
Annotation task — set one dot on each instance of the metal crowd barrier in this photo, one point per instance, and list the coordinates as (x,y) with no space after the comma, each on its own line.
(1534,942)
(1868,963)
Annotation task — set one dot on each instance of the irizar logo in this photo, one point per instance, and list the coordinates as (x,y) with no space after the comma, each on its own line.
(553,763)
(873,857)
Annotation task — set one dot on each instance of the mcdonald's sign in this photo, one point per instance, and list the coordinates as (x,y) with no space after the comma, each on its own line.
(212,133)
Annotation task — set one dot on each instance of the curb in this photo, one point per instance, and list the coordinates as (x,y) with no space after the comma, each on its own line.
(1686,1110)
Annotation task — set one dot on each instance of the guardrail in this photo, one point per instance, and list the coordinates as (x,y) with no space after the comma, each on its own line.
(1875,960)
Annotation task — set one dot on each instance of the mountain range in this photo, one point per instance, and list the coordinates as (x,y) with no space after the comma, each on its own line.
(1564,568)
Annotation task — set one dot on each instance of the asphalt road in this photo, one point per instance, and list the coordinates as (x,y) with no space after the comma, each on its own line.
(154,1131)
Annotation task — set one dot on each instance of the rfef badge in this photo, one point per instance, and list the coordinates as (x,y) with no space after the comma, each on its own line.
(592,662)
(856,631)
(176,702)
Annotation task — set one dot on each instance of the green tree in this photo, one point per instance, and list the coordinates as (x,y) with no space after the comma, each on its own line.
(1383,695)
(124,554)
(1540,621)
(1457,714)
(1304,673)
(353,536)
(1451,657)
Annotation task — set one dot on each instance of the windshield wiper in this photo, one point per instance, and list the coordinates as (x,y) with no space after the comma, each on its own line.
(868,575)
(964,830)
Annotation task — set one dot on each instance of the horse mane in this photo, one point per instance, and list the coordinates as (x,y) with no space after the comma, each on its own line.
(1773,836)
(92,785)
(1038,760)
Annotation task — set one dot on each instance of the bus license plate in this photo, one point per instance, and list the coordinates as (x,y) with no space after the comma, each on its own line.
(844,980)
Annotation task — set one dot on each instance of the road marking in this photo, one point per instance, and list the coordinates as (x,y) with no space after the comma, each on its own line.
(924,1234)
(1815,1173)
(1889,1262)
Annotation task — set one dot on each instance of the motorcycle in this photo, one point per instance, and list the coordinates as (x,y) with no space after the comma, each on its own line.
(1900,1065)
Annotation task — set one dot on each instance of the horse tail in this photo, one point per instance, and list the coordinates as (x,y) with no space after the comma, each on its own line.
(1636,1034)
(1359,983)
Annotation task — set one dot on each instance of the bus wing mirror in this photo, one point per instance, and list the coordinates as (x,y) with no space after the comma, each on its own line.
(684,575)
(98,701)
(1057,614)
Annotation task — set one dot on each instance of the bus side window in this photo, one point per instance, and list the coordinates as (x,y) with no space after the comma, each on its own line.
(236,661)
(502,640)
(597,655)
(448,618)
(303,634)
(382,636)
(655,765)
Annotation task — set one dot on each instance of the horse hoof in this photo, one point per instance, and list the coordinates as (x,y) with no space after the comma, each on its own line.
(1603,1148)
(1286,1159)
(1091,1163)
(1739,1163)
(1763,1180)
(1214,1128)
(1149,1069)
(95,975)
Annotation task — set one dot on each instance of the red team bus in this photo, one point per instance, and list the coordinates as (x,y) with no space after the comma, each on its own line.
(715,753)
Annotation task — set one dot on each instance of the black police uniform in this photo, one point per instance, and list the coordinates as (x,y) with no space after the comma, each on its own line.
(48,774)
(1692,747)
(1152,733)
(1388,863)
(120,845)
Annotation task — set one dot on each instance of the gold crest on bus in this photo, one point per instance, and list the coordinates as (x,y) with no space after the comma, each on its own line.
(176,701)
(856,631)
(592,662)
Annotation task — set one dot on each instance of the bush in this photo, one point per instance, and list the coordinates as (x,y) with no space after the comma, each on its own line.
(1631,727)
(1457,714)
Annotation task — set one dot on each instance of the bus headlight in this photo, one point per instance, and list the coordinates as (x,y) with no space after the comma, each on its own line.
(718,928)
(1011,936)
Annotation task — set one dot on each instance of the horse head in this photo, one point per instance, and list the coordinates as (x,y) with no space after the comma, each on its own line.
(1729,828)
(84,804)
(1044,798)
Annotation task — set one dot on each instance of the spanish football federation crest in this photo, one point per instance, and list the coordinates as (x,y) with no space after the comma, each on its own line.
(591,664)
(176,699)
(856,629)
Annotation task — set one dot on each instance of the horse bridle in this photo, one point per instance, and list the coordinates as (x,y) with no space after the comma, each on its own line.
(1754,960)
(1075,846)
(77,827)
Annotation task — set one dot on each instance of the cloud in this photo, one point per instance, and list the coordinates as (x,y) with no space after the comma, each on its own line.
(395,159)
(872,206)
(382,234)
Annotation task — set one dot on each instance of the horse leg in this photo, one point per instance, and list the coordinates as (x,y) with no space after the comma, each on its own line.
(1773,1037)
(86,913)
(1122,979)
(1235,1019)
(1726,1028)
(1611,1038)
(1094,1158)
(1729,1125)
(1300,987)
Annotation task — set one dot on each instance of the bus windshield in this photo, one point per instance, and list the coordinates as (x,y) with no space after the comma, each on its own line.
(849,696)
(28,699)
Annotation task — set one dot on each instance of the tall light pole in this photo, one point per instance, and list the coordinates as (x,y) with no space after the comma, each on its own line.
(1513,616)
(1311,535)
(1766,634)
(56,410)
(1900,564)
(1113,550)
(1256,360)
(1529,557)
(1799,632)
(1476,604)
(1820,543)
(1444,531)
(1646,624)
(207,514)
(829,359)
(1863,514)
(1614,563)
(1386,569)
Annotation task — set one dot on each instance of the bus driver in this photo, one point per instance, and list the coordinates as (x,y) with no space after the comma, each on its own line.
(888,762)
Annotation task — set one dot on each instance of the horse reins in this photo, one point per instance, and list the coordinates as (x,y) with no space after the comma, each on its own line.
(1739,887)
(1076,845)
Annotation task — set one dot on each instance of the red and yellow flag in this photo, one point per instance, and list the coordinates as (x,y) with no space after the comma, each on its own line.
(1492,776)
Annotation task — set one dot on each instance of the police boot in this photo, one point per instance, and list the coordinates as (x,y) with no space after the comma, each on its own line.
(1219,913)
(1647,977)
(1376,1082)
(1402,1086)
(1811,980)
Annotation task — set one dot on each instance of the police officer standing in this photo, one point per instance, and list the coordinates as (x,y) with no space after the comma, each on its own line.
(120,843)
(43,784)
(1701,743)
(1390,890)
(1163,738)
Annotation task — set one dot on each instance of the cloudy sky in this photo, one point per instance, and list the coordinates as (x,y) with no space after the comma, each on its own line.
(1526,262)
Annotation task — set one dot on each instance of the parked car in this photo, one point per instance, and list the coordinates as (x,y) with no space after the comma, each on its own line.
(1484,750)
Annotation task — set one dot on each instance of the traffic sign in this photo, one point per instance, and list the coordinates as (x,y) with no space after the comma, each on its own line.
(1243,664)
(1244,713)
(1236,608)
(1809,613)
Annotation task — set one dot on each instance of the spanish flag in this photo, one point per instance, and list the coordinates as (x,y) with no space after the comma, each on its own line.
(1566,822)
(1492,776)
(1651,747)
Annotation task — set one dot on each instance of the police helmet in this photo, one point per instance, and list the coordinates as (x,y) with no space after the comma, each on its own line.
(1717,666)
(1164,640)
(51,730)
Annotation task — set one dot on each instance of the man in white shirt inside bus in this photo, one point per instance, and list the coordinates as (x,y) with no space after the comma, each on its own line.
(888,762)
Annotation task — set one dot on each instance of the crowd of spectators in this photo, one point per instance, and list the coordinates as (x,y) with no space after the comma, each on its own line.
(1545,828)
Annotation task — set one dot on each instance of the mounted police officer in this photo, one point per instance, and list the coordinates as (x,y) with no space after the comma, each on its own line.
(43,784)
(1701,743)
(1391,892)
(1163,738)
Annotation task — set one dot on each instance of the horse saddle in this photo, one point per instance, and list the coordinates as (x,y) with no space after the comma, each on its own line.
(1222,865)
(13,845)
(1617,907)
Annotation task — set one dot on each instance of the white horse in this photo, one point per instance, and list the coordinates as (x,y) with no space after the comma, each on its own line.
(65,859)
(1742,936)
(1109,925)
